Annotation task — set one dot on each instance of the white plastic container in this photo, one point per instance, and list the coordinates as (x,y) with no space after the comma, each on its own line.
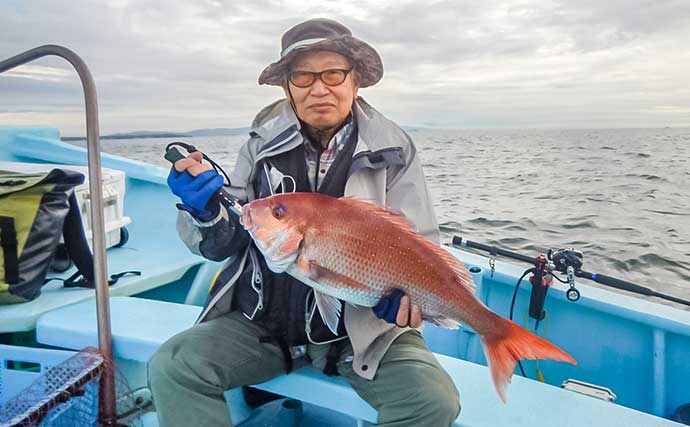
(113,204)
(113,197)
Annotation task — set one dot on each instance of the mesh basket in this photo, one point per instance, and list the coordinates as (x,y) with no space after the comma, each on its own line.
(50,388)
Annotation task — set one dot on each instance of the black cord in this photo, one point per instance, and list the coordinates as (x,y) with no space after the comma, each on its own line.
(512,306)
(517,286)
(190,149)
(559,279)
(217,168)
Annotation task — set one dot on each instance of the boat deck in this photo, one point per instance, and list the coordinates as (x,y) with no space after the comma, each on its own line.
(140,326)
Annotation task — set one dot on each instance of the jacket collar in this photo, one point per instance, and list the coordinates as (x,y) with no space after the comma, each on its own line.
(274,120)
(278,126)
(376,132)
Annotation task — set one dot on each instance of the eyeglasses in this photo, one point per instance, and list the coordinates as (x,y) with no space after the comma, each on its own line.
(304,79)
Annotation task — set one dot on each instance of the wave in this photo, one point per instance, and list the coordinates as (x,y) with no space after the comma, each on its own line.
(581,224)
(490,222)
(646,176)
(667,212)
(512,241)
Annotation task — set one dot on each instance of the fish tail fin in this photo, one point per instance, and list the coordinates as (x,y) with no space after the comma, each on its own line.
(511,343)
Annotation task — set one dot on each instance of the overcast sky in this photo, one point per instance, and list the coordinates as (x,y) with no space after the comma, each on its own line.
(182,65)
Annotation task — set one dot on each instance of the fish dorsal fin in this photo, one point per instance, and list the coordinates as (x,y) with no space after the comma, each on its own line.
(462,276)
(330,309)
(381,211)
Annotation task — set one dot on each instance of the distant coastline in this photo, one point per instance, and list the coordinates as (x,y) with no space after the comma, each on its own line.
(165,134)
(192,133)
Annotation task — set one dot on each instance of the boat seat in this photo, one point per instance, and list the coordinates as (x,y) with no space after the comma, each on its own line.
(140,326)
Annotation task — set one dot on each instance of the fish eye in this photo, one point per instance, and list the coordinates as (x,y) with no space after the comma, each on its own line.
(278,212)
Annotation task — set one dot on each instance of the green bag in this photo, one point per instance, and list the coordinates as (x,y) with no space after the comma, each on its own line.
(33,213)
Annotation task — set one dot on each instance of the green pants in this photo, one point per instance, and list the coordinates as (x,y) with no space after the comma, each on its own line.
(190,372)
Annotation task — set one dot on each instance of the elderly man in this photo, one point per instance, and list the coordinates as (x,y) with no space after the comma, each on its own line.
(257,324)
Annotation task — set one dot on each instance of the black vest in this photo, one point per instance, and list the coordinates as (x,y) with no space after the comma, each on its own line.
(288,302)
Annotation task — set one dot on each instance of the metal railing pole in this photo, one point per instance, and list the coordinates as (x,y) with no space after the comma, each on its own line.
(107,408)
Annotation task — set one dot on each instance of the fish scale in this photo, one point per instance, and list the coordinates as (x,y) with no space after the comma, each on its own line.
(363,246)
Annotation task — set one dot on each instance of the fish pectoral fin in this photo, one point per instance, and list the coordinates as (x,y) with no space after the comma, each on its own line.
(330,309)
(442,321)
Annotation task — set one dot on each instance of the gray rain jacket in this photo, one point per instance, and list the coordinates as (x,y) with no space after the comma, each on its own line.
(385,170)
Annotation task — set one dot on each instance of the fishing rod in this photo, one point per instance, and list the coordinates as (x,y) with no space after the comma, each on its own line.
(567,261)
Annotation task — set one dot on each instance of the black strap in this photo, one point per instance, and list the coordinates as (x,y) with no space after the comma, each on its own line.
(115,277)
(75,240)
(8,241)
(79,252)
(77,280)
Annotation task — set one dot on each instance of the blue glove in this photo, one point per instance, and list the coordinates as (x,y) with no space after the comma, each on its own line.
(388,306)
(196,192)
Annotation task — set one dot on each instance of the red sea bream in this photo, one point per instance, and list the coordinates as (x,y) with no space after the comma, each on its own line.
(358,252)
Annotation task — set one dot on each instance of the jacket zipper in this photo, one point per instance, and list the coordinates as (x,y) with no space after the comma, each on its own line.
(257,285)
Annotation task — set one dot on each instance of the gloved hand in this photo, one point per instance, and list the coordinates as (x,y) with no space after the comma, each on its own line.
(395,308)
(196,192)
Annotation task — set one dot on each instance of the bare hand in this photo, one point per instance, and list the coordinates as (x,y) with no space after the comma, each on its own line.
(407,316)
(192,164)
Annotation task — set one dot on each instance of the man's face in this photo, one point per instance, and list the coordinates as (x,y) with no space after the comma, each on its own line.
(320,105)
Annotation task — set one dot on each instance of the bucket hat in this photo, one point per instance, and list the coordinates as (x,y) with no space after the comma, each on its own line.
(324,34)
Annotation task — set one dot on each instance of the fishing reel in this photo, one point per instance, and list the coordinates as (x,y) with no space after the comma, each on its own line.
(564,258)
(566,261)
(569,262)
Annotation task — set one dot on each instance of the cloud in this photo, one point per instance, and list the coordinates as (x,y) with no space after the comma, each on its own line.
(527,63)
